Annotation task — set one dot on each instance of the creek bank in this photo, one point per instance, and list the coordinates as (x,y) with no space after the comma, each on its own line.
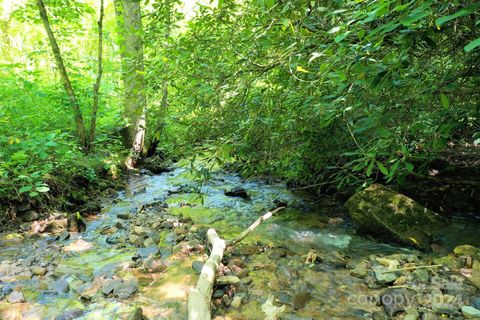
(146,248)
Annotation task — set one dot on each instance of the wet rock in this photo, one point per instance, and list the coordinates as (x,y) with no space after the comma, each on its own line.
(110,285)
(383,275)
(16,297)
(237,302)
(383,212)
(237,192)
(466,250)
(14,236)
(197,266)
(70,315)
(429,316)
(300,299)
(218,293)
(147,251)
(61,286)
(56,226)
(38,271)
(411,314)
(224,280)
(360,270)
(167,225)
(396,300)
(226,300)
(75,223)
(421,275)
(276,253)
(156,165)
(78,245)
(246,280)
(126,288)
(470,312)
(246,249)
(30,216)
(119,225)
(63,236)
(154,265)
(444,304)
(124,216)
(136,314)
(476,302)
(6,289)
(379,316)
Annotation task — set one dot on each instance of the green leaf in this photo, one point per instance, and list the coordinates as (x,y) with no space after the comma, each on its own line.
(460,13)
(444,100)
(472,45)
(341,37)
(370,167)
(25,189)
(382,168)
(42,189)
(409,166)
(33,194)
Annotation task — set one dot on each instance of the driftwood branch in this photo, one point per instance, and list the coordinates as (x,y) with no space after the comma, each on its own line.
(199,297)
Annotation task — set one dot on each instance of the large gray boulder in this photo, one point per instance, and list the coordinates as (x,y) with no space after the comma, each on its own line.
(386,213)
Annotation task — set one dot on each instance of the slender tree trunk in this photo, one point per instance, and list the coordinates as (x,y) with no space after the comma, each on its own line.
(64,76)
(96,86)
(152,147)
(130,23)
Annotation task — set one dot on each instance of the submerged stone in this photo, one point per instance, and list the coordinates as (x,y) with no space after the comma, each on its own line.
(70,315)
(386,213)
(470,312)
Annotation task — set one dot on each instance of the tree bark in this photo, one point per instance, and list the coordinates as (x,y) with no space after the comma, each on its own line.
(130,25)
(78,118)
(96,86)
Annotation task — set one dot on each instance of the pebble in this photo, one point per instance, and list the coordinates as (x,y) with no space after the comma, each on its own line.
(360,270)
(61,286)
(16,297)
(476,302)
(442,304)
(38,271)
(300,299)
(110,285)
(395,300)
(124,216)
(197,266)
(224,280)
(383,276)
(237,302)
(421,275)
(470,312)
(126,288)
(70,315)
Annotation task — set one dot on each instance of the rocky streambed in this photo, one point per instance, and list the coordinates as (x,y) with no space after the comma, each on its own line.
(142,254)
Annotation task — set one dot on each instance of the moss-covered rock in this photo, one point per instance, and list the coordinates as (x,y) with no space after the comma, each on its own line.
(386,213)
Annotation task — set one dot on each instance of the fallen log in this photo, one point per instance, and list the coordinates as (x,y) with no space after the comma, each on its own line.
(199,297)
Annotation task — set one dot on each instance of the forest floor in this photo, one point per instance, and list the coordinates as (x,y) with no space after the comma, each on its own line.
(148,245)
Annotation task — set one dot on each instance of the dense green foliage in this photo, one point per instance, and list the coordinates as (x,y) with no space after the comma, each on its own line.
(40,160)
(345,91)
(337,92)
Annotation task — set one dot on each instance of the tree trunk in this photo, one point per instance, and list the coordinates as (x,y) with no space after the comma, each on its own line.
(130,25)
(64,76)
(96,86)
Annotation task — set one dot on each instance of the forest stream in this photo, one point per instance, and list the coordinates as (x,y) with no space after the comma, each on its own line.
(309,256)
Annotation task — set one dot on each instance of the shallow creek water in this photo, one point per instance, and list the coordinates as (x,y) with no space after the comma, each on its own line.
(323,289)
